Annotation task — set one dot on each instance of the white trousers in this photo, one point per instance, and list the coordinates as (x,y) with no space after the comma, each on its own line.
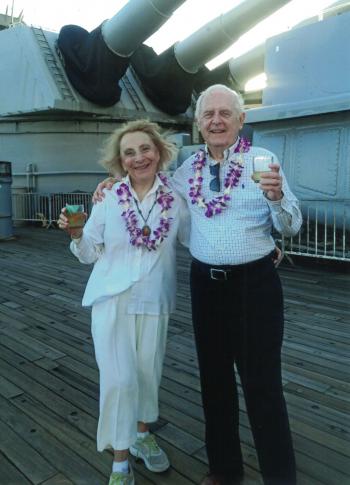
(129,351)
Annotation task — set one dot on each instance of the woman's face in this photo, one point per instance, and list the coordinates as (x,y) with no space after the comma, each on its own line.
(139,157)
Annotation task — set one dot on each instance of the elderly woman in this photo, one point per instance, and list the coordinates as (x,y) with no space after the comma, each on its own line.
(130,238)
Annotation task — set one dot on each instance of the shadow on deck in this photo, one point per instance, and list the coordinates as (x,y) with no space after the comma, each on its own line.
(49,379)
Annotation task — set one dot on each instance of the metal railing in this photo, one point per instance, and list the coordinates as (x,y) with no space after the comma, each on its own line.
(325,232)
(45,208)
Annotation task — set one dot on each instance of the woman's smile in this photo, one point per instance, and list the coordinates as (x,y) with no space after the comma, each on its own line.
(140,157)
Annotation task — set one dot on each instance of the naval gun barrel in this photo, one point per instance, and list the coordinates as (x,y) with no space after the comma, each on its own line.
(248,65)
(169,79)
(135,22)
(217,35)
(95,61)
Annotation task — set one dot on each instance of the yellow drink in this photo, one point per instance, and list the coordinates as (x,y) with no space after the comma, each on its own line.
(261,165)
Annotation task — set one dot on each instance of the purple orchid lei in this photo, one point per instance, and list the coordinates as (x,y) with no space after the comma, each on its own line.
(217,204)
(164,199)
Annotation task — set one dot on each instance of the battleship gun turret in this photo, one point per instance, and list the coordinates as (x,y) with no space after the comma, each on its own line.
(77,71)
(66,93)
(169,79)
(96,61)
(82,72)
(251,63)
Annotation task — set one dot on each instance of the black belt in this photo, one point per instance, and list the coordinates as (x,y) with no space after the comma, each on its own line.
(226,272)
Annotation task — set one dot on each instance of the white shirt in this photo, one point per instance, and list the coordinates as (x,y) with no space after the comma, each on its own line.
(118,265)
(242,232)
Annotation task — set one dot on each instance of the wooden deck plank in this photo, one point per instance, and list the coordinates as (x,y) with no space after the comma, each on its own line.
(10,475)
(49,378)
(20,453)
(58,479)
(49,450)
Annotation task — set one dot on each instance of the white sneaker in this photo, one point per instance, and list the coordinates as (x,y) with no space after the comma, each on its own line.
(148,450)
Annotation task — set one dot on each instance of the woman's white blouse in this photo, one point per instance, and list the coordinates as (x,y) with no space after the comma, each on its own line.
(118,265)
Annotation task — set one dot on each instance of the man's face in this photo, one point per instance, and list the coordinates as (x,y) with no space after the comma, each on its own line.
(218,121)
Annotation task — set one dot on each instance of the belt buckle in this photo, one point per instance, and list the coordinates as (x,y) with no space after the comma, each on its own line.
(214,274)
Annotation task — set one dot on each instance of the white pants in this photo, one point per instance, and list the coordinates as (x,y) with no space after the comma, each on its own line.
(129,351)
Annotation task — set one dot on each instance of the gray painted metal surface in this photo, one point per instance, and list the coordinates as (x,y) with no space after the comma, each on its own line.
(308,71)
(5,200)
(314,153)
(53,135)
(54,156)
(122,40)
(57,155)
(220,33)
(34,79)
(248,66)
(48,130)
(305,117)
(309,63)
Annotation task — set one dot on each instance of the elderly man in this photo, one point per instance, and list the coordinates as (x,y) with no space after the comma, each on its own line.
(237,302)
(237,305)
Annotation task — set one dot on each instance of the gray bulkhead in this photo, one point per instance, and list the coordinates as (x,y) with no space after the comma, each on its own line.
(305,112)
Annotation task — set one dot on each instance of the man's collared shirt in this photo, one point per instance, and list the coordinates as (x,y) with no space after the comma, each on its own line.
(242,232)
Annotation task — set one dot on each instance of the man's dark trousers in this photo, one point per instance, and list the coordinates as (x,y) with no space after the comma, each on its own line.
(239,320)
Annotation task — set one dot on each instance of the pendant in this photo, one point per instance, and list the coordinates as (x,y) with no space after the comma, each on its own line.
(146,231)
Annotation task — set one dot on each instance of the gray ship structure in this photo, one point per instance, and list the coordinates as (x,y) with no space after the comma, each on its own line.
(63,94)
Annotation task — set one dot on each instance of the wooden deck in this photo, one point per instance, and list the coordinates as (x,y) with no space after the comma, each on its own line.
(49,379)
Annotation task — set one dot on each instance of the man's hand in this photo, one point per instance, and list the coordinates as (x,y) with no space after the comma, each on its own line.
(271,183)
(63,223)
(107,183)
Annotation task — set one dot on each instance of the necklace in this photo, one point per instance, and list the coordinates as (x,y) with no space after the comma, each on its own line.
(139,237)
(217,204)
(146,230)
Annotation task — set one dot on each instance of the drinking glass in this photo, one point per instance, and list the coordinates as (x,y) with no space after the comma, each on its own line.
(261,165)
(75,215)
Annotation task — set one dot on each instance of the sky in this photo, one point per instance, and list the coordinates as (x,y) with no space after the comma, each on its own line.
(190,16)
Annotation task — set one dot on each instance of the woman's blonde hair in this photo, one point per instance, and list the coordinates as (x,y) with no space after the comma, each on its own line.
(111,159)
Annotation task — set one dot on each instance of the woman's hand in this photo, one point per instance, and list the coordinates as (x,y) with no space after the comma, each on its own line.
(271,183)
(277,256)
(63,223)
(107,183)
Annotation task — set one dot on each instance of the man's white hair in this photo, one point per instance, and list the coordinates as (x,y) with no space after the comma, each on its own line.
(237,101)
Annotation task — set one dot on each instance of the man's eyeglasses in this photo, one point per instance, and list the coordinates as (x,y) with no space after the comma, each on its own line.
(215,182)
